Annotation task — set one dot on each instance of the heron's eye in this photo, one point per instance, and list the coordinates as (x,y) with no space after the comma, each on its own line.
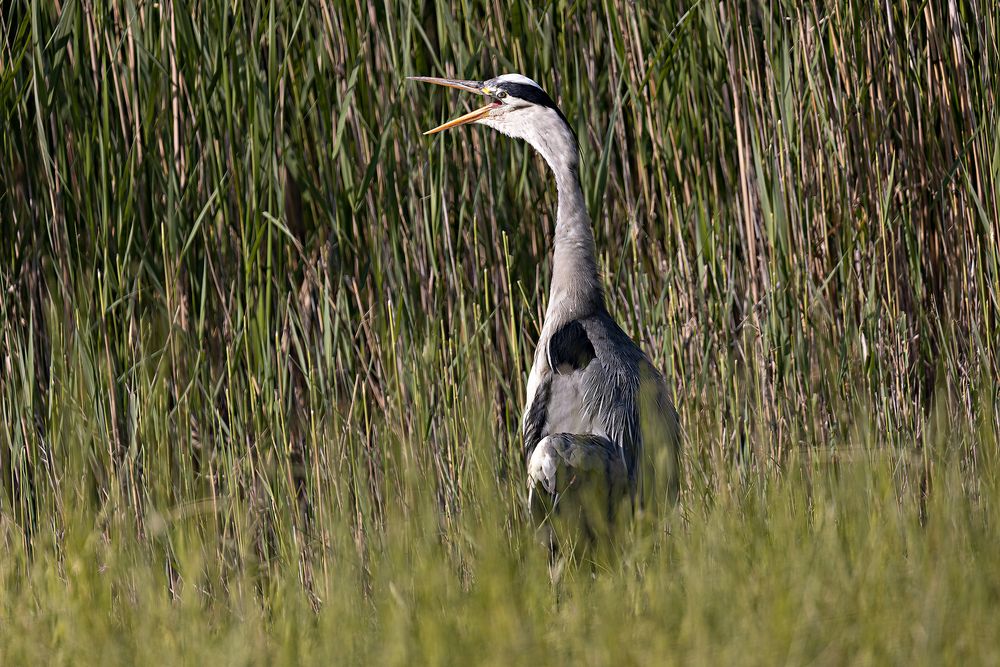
(501,94)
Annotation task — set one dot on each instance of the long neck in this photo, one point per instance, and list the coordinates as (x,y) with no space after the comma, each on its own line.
(576,286)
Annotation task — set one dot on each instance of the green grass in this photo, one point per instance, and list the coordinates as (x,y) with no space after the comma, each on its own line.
(263,346)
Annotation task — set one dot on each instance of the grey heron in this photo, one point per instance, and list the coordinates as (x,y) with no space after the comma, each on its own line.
(598,423)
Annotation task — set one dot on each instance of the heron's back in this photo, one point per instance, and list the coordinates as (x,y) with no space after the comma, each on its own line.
(589,377)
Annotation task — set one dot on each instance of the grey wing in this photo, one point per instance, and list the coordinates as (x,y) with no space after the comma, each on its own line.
(661,440)
(611,388)
(598,381)
(635,406)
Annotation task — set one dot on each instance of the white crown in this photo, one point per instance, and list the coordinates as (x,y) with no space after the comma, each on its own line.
(516,78)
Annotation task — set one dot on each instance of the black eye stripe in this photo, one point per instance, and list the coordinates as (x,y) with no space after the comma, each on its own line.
(529,94)
(534,95)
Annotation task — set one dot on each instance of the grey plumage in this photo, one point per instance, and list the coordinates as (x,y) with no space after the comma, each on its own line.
(611,389)
(598,422)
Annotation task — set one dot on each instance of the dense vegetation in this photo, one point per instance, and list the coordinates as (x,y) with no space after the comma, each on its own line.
(263,346)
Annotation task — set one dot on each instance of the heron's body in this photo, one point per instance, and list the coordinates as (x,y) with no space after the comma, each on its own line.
(598,420)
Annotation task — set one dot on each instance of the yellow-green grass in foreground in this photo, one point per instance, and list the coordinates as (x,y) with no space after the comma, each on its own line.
(263,345)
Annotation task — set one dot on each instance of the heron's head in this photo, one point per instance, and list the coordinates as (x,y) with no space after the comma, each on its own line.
(517,107)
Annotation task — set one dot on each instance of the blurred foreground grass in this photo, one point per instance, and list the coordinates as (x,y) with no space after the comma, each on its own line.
(263,346)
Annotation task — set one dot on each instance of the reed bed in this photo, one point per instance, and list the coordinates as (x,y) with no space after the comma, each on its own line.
(264,346)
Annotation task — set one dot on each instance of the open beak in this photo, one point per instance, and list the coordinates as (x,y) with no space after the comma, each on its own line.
(468,86)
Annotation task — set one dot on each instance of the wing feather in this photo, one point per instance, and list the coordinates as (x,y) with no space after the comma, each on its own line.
(595,379)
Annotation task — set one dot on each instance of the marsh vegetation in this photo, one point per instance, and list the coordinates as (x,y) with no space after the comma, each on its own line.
(263,346)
